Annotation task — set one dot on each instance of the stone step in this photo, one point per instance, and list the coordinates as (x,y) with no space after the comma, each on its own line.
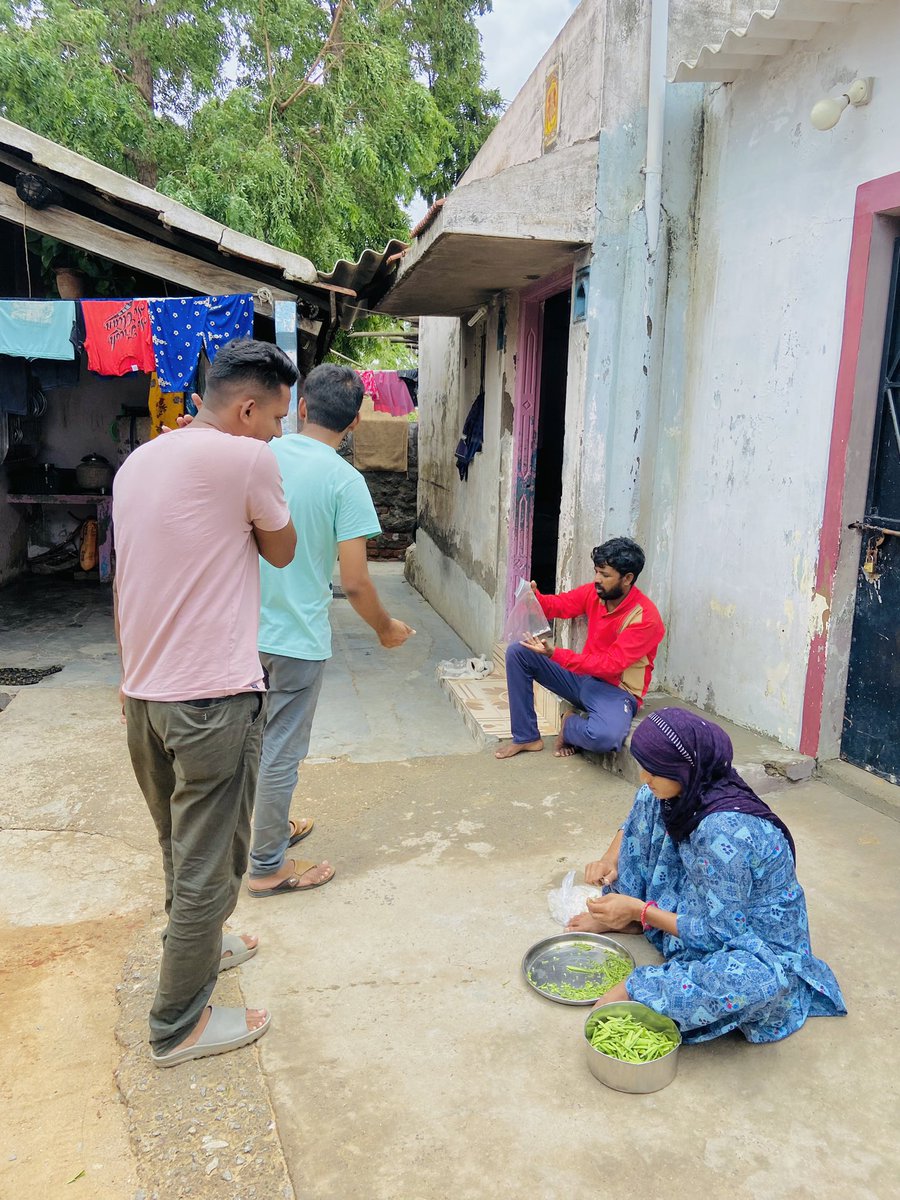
(764,763)
(483,704)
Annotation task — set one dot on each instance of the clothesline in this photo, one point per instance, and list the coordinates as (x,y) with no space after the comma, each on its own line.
(262,294)
(120,336)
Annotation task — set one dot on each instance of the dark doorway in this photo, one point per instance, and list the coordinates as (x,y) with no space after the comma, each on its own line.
(550,438)
(871,737)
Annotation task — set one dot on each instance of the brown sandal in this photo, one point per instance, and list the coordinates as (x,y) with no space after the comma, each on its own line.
(298,831)
(292,883)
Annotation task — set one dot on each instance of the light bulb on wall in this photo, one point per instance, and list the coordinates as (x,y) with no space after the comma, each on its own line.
(827,113)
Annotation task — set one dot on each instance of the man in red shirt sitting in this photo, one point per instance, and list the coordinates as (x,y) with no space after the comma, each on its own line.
(609,678)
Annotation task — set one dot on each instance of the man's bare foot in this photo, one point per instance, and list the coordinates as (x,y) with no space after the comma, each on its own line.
(255,1018)
(313,876)
(562,749)
(511,749)
(250,940)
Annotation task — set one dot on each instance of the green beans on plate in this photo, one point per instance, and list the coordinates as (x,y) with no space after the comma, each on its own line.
(598,978)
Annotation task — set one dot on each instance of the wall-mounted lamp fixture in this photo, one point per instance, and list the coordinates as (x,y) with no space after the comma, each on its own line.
(827,113)
(580,294)
(478,315)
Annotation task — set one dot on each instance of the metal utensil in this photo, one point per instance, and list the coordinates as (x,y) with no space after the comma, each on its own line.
(547,961)
(633,1077)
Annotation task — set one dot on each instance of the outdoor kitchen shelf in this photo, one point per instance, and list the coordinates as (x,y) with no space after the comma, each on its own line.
(103,505)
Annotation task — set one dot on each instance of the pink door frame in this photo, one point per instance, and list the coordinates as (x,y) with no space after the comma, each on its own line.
(529,351)
(878,197)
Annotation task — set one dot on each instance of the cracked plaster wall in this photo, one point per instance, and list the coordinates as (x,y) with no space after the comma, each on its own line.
(769,278)
(461,535)
(459,559)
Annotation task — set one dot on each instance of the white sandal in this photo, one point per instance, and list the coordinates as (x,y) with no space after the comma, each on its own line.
(240,951)
(225,1030)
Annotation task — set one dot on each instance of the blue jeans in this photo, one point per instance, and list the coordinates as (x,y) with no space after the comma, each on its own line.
(294,686)
(609,709)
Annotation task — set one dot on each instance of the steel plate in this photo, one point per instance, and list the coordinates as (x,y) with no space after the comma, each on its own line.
(546,962)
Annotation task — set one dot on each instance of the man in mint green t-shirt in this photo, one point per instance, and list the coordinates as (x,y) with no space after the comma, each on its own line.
(333,514)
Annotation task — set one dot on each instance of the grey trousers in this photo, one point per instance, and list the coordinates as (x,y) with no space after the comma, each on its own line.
(196,763)
(294,686)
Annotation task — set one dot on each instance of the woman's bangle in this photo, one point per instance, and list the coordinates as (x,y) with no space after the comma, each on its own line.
(645,924)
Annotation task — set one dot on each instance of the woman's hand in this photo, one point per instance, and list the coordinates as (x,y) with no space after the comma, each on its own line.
(604,871)
(617,912)
(585,923)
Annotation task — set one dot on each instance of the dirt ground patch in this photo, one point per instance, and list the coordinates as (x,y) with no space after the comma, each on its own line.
(65,1120)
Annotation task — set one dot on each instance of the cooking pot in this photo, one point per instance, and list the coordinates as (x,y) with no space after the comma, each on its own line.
(94,473)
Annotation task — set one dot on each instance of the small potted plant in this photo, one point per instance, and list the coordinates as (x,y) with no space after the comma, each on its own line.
(69,281)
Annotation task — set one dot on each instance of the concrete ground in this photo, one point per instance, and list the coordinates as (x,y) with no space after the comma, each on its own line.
(407,1060)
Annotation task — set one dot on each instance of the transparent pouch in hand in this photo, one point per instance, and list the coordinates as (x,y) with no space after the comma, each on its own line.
(526,617)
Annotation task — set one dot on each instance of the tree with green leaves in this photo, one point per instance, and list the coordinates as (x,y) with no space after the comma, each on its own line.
(307,123)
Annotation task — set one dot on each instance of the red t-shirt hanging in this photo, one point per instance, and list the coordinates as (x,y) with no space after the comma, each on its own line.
(117,336)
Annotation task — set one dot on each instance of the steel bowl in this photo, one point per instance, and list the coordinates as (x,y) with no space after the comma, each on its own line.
(626,1076)
(547,960)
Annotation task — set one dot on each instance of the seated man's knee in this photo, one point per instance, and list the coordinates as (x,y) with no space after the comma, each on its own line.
(517,654)
(601,738)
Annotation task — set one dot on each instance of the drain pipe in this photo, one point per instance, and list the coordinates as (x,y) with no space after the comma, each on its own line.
(656,115)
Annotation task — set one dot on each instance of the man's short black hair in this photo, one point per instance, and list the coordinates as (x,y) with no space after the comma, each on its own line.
(245,361)
(333,395)
(622,554)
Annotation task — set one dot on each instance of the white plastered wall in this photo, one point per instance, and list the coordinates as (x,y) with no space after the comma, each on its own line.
(769,277)
(461,537)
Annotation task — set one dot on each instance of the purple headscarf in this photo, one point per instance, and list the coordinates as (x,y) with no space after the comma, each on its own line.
(677,745)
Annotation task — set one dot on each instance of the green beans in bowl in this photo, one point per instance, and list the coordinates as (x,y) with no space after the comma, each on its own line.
(630,1047)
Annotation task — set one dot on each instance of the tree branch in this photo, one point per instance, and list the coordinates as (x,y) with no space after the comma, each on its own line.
(269,71)
(121,74)
(330,41)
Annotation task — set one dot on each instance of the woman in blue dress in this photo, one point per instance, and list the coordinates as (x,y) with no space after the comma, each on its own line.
(707,870)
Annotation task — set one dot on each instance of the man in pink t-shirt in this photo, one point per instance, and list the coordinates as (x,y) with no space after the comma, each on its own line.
(193,510)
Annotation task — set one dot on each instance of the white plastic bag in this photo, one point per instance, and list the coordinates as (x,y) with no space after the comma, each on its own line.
(570,899)
(526,617)
(465,668)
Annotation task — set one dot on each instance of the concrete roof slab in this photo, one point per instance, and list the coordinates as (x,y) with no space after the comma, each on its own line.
(499,233)
(461,271)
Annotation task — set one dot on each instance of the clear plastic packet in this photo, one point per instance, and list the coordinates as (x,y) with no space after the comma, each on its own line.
(570,899)
(465,668)
(526,617)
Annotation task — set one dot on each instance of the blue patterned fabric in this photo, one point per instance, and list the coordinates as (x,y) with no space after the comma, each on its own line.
(742,959)
(181,328)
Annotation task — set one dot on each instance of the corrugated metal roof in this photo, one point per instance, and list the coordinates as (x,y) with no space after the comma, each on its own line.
(109,214)
(770,33)
(367,280)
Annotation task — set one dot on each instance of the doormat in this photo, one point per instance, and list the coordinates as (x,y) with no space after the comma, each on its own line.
(20,676)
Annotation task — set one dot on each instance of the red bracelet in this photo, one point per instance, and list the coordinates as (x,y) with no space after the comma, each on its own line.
(644,922)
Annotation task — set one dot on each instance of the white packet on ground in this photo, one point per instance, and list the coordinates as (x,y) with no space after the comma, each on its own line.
(570,899)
